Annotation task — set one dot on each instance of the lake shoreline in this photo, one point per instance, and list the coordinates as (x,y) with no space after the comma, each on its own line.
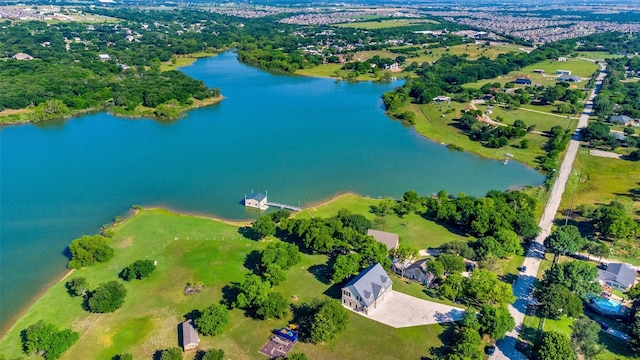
(130,214)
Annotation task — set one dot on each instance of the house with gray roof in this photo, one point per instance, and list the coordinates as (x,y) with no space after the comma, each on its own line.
(618,276)
(623,120)
(22,56)
(569,78)
(190,339)
(365,291)
(416,271)
(390,240)
(258,201)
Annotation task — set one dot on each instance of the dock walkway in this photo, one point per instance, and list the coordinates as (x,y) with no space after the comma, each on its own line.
(284,206)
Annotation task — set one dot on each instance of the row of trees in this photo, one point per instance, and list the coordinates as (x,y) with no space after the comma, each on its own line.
(584,340)
(492,136)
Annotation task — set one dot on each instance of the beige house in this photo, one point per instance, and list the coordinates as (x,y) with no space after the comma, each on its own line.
(258,201)
(22,56)
(365,291)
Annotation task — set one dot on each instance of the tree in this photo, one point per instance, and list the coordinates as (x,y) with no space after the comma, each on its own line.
(344,266)
(469,320)
(484,287)
(125,356)
(138,270)
(174,353)
(78,286)
(108,297)
(252,292)
(213,354)
(213,320)
(275,274)
(275,306)
(577,276)
(451,263)
(88,250)
(495,321)
(329,319)
(436,268)
(282,254)
(554,346)
(264,227)
(564,239)
(467,344)
(404,255)
(584,337)
(51,109)
(47,340)
(451,287)
(297,356)
(557,300)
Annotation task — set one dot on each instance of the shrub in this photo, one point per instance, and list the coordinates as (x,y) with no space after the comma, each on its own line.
(138,270)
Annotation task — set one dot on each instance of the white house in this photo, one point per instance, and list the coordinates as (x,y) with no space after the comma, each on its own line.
(441,98)
(365,291)
(258,201)
(104,57)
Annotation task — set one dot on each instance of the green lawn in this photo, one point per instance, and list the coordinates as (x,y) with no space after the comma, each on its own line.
(413,229)
(598,55)
(189,249)
(184,60)
(432,122)
(578,67)
(384,24)
(543,122)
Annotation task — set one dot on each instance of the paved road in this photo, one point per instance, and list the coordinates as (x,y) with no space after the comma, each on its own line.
(523,286)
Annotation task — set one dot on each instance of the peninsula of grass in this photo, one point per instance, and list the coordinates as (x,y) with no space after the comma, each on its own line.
(189,249)
(178,61)
(438,123)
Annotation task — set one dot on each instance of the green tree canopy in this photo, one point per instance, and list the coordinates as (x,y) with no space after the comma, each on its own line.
(484,287)
(577,276)
(108,297)
(138,270)
(174,353)
(495,321)
(554,346)
(274,307)
(556,300)
(88,250)
(329,319)
(213,354)
(564,239)
(585,335)
(213,320)
(47,340)
(77,286)
(264,226)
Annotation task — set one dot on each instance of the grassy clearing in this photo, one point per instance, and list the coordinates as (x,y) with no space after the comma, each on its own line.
(578,67)
(413,229)
(472,52)
(189,249)
(543,122)
(385,24)
(598,55)
(184,60)
(432,122)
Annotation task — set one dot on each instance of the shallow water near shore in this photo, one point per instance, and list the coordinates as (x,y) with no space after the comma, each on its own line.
(301,139)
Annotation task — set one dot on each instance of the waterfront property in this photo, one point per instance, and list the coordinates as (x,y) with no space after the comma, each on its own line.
(390,240)
(618,276)
(190,339)
(365,291)
(258,201)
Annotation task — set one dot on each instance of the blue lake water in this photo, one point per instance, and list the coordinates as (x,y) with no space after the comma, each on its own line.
(301,139)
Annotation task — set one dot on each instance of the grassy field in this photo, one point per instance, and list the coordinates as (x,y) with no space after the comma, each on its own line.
(184,60)
(472,51)
(578,67)
(598,55)
(413,230)
(189,249)
(384,24)
(433,123)
(543,122)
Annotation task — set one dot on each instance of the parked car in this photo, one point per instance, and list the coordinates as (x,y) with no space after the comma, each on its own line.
(490,349)
(522,268)
(603,326)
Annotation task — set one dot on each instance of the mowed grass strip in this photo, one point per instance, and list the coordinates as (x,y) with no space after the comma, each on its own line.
(191,249)
(385,24)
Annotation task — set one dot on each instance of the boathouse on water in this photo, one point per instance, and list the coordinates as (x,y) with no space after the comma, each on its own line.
(258,201)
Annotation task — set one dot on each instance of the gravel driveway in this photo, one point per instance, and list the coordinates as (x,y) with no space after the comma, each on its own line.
(400,310)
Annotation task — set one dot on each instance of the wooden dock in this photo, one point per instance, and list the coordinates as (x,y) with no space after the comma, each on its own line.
(284,206)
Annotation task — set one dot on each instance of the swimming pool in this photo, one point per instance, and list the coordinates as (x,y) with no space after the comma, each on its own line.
(607,305)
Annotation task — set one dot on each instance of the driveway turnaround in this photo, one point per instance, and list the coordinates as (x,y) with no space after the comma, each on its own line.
(400,310)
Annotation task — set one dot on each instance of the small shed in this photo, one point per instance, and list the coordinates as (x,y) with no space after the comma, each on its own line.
(258,201)
(190,339)
(441,98)
(523,81)
(563,72)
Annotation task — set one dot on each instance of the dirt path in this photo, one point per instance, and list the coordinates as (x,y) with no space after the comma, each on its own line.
(605,154)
